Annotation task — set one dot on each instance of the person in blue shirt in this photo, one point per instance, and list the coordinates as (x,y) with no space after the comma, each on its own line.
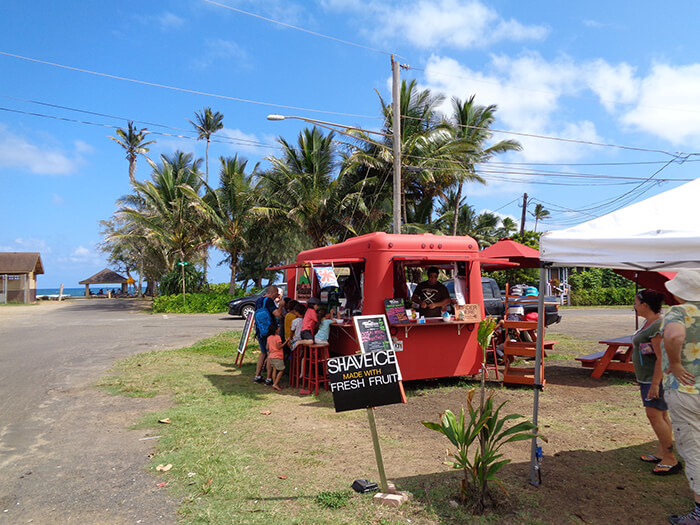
(324,326)
(267,301)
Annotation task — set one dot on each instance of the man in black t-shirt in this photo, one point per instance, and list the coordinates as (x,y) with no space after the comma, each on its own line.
(431,295)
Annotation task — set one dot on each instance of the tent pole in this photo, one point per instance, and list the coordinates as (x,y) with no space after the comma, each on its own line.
(535,478)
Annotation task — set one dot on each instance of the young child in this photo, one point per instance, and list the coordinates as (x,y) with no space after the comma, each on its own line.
(275,357)
(310,322)
(295,333)
(324,327)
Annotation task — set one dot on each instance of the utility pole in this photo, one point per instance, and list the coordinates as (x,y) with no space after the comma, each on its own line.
(522,219)
(396,125)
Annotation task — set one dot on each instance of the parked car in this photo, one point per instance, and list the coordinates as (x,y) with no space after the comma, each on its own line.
(244,305)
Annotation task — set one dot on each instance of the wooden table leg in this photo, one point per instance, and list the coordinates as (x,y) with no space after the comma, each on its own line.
(604,361)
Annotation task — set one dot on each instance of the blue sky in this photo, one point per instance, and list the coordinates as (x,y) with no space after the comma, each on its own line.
(617,73)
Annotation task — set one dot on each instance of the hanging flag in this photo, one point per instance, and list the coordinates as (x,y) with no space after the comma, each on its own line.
(326,276)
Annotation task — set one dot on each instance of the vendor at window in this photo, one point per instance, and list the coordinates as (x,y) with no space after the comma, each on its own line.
(431,296)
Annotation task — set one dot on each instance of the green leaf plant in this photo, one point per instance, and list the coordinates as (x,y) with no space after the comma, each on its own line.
(487,424)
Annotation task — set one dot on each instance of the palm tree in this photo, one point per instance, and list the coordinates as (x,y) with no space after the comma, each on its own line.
(508,226)
(164,211)
(229,209)
(301,185)
(134,143)
(208,123)
(472,123)
(540,214)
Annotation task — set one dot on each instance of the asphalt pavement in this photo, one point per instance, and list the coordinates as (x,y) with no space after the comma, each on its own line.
(65,451)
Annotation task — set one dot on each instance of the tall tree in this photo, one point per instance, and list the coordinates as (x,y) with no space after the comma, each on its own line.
(302,185)
(164,209)
(229,209)
(472,123)
(540,214)
(134,143)
(207,123)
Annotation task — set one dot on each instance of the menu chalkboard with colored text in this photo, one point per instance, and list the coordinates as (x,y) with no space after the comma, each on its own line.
(395,311)
(373,333)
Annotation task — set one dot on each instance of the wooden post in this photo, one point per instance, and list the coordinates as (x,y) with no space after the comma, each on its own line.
(377,451)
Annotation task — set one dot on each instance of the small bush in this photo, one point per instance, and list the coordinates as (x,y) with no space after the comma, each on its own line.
(195,303)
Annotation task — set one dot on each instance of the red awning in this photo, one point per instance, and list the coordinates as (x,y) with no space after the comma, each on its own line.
(340,261)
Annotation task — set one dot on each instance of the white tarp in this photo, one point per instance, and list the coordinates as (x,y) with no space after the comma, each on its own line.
(661,232)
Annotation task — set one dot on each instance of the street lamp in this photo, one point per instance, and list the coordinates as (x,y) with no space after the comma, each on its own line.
(344,130)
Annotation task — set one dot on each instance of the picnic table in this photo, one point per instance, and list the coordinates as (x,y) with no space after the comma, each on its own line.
(617,356)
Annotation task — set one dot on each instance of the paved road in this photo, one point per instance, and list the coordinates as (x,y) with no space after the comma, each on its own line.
(51,457)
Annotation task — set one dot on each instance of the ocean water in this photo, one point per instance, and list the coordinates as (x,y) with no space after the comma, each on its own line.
(78,292)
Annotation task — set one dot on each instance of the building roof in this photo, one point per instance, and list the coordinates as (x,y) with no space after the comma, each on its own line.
(21,262)
(105,276)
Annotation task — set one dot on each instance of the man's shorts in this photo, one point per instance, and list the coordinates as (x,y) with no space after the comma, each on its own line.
(277,364)
(658,403)
(262,341)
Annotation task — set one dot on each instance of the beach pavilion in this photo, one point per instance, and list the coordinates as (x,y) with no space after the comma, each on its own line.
(103,277)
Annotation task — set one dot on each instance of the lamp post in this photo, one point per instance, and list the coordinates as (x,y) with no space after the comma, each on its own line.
(344,129)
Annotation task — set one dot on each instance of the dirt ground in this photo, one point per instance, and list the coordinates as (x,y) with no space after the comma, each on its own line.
(91,468)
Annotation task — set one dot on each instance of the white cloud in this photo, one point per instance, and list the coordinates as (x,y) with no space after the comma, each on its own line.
(249,142)
(218,50)
(20,153)
(668,105)
(27,245)
(527,90)
(428,24)
(57,199)
(82,255)
(169,21)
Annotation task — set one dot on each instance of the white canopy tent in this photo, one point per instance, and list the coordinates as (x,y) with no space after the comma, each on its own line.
(658,233)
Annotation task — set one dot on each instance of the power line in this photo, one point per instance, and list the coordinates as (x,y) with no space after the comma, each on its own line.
(112,126)
(68,108)
(182,90)
(290,26)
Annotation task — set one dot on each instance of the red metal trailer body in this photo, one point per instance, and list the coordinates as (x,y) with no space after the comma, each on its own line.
(431,350)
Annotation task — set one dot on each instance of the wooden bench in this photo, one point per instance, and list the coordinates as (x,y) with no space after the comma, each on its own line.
(590,360)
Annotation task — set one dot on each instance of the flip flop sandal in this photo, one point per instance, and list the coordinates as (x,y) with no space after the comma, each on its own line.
(650,459)
(671,469)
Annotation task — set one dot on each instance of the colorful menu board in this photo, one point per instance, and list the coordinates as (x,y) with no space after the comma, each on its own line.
(373,333)
(245,335)
(395,311)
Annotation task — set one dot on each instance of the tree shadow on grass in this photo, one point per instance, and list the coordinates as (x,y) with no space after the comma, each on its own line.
(578,486)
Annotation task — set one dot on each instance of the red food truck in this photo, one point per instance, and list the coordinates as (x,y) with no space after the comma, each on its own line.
(380,266)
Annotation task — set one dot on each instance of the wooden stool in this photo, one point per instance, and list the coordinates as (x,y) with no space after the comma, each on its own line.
(315,371)
(494,366)
(295,366)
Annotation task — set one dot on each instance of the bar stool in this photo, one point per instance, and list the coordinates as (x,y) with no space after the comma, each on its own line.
(494,366)
(315,371)
(295,366)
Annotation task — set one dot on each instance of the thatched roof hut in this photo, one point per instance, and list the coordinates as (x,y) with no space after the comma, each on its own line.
(105,276)
(18,271)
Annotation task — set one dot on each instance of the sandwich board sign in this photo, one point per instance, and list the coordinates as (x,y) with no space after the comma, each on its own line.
(371,378)
(245,335)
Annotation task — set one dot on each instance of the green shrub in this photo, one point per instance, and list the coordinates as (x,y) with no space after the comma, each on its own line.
(171,282)
(195,303)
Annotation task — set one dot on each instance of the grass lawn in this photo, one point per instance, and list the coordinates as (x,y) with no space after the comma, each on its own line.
(241,453)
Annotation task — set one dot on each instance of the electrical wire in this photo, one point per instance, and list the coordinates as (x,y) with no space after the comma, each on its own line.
(160,133)
(308,31)
(183,90)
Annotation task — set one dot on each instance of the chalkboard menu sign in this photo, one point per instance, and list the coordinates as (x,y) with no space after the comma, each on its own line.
(247,328)
(373,333)
(365,380)
(395,311)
